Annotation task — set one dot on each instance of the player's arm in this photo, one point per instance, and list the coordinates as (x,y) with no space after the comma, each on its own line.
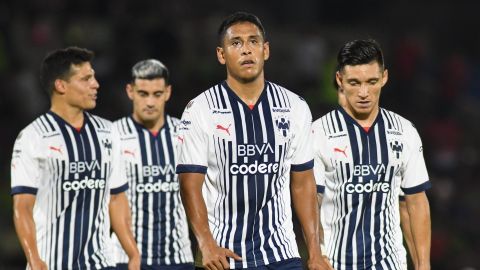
(407,231)
(121,225)
(305,203)
(213,256)
(25,226)
(419,213)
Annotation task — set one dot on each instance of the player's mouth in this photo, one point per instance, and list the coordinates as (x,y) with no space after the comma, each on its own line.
(364,104)
(247,63)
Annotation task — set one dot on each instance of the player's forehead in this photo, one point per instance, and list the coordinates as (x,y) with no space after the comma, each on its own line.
(242,30)
(372,69)
(149,84)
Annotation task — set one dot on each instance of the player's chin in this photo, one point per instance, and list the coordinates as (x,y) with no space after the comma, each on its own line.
(90,105)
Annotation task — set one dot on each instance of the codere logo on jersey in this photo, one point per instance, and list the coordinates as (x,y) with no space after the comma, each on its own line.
(86,183)
(250,150)
(158,187)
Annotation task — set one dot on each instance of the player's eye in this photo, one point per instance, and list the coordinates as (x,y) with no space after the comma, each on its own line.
(236,43)
(158,94)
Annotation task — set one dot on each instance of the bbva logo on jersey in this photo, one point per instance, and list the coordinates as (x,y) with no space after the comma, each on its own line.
(254,149)
(157,170)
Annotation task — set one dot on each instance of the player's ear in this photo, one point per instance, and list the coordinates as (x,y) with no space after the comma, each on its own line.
(266,50)
(168,92)
(129,90)
(220,55)
(385,77)
(338,78)
(60,86)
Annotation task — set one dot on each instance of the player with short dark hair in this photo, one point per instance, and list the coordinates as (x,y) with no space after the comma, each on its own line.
(364,157)
(244,157)
(65,185)
(149,139)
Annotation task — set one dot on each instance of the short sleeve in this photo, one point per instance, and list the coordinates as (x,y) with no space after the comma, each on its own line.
(118,178)
(303,155)
(193,141)
(319,166)
(26,169)
(415,175)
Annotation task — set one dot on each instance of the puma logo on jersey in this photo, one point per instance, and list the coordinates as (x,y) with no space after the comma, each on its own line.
(56,149)
(180,138)
(226,129)
(128,152)
(338,150)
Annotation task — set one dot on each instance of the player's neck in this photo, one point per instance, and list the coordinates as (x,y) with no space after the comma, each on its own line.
(72,115)
(248,92)
(364,120)
(153,126)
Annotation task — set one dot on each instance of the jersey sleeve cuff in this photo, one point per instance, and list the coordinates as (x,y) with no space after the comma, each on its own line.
(302,167)
(23,189)
(417,189)
(320,189)
(190,168)
(119,189)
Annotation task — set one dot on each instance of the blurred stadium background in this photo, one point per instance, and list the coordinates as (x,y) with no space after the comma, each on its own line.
(431,50)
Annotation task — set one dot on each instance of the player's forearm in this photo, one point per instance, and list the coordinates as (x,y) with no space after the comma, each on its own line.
(121,224)
(195,208)
(419,212)
(25,228)
(407,232)
(304,199)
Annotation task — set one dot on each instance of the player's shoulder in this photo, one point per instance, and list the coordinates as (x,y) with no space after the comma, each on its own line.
(397,121)
(100,123)
(172,120)
(319,123)
(287,97)
(42,126)
(124,126)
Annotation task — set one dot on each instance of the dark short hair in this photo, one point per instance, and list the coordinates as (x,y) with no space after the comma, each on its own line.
(239,17)
(57,65)
(359,52)
(150,69)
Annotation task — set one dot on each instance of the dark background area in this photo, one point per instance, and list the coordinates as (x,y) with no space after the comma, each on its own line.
(431,51)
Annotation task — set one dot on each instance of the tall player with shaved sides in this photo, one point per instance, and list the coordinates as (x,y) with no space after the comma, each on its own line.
(245,158)
(66,186)
(365,156)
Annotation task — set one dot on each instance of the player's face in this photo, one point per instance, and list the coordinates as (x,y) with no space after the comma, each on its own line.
(149,98)
(80,89)
(361,86)
(244,52)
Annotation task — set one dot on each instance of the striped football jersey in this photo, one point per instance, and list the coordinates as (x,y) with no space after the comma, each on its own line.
(361,174)
(72,174)
(247,155)
(158,218)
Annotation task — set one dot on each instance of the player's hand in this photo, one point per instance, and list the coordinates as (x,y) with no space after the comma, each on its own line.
(215,257)
(319,263)
(134,263)
(37,265)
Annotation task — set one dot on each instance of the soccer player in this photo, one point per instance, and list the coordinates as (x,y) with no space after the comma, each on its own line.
(364,156)
(64,176)
(244,157)
(149,139)
(404,216)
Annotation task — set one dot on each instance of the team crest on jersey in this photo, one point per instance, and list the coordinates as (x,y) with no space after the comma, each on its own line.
(283,125)
(108,145)
(397,148)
